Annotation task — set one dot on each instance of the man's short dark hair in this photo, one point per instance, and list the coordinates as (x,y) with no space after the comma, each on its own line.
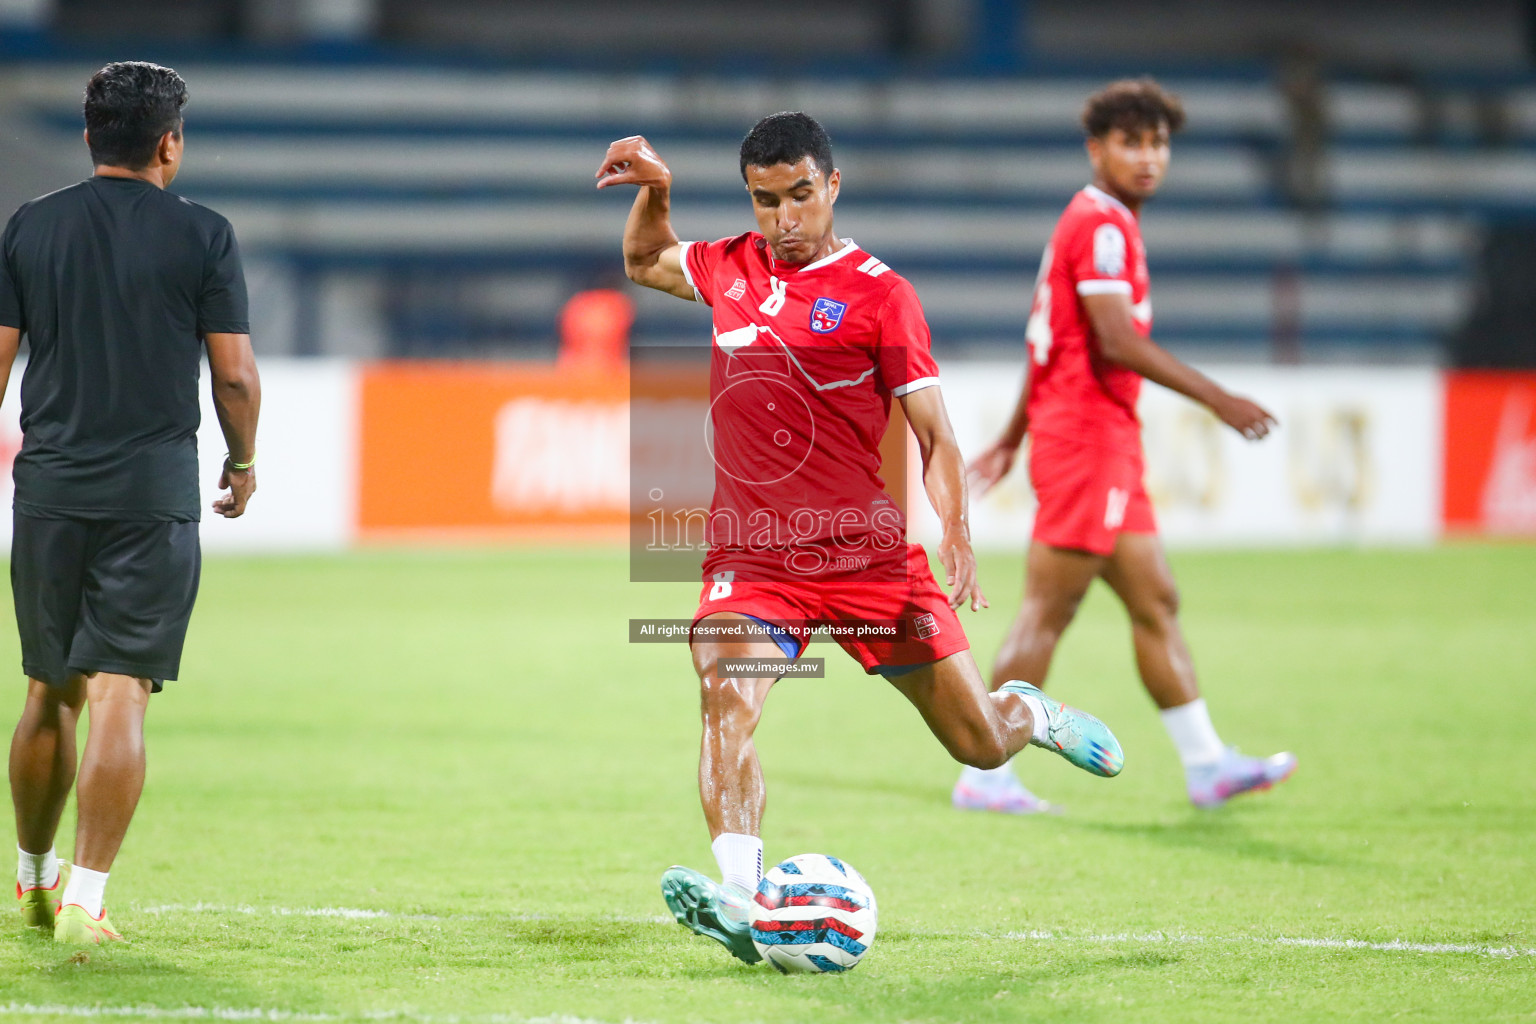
(786,138)
(129,105)
(1132,105)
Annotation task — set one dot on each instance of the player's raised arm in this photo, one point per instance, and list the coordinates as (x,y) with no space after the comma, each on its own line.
(944,480)
(1110,316)
(652,256)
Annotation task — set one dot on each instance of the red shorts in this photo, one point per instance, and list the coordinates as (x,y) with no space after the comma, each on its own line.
(1088,494)
(926,629)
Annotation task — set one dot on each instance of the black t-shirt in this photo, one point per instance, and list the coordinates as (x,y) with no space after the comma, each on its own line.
(115,281)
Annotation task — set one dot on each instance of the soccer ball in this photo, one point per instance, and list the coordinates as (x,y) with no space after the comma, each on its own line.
(813,913)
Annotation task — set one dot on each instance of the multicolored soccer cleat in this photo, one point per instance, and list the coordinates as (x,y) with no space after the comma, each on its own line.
(712,910)
(1214,784)
(1075,735)
(1005,797)
(76,926)
(39,905)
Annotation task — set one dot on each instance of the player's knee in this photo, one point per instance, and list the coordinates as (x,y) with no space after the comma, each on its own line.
(1048,618)
(987,757)
(49,707)
(1158,608)
(1170,600)
(981,749)
(727,698)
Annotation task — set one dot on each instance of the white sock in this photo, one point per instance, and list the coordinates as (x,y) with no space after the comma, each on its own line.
(986,778)
(86,888)
(741,860)
(1189,726)
(37,870)
(1038,713)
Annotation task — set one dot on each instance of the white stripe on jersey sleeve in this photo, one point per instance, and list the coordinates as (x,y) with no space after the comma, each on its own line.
(916,385)
(1104,287)
(873,267)
(682,256)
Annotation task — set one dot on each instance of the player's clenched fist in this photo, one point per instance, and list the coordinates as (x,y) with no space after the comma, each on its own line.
(632,161)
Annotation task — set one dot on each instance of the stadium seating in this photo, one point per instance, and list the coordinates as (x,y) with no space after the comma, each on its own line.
(432,211)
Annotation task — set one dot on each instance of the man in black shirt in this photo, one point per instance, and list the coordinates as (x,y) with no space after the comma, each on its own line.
(119,286)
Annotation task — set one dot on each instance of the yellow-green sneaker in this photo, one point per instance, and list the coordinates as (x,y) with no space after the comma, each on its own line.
(77,927)
(39,905)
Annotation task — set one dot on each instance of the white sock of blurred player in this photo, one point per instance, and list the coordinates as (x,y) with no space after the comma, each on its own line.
(1189,726)
(741,861)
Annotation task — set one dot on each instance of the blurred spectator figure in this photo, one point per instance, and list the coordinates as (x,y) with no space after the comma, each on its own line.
(594,328)
(1304,159)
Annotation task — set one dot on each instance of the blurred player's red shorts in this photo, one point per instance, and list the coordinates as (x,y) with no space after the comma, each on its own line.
(1089,494)
(915,605)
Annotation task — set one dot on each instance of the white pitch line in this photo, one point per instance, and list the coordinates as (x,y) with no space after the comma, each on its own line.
(350,913)
(275,1015)
(1171,938)
(355,914)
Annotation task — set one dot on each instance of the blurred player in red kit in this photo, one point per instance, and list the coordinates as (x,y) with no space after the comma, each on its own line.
(813,338)
(1089,346)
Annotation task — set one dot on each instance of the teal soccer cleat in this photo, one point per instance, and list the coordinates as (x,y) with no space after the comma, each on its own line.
(708,909)
(1075,735)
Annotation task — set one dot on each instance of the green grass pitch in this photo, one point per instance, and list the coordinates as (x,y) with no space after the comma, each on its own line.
(440,785)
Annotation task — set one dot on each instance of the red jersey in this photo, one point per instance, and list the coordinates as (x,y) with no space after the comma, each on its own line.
(1075,392)
(806,359)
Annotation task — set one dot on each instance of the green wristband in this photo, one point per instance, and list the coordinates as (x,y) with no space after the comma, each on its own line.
(242,466)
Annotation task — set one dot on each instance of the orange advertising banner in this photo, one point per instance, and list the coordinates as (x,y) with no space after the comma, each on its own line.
(1490,453)
(483,448)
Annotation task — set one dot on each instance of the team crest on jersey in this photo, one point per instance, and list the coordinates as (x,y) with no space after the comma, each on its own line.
(1109,250)
(826,314)
(736,290)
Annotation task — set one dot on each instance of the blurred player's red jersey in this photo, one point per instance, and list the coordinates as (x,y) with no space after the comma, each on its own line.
(1075,392)
(1085,461)
(806,360)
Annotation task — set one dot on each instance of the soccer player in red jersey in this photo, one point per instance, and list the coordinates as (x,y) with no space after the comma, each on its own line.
(813,337)
(1089,343)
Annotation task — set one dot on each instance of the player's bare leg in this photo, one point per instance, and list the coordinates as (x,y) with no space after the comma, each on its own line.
(978,728)
(1138,573)
(732,793)
(730,777)
(112,767)
(106,795)
(983,730)
(1055,583)
(42,770)
(43,757)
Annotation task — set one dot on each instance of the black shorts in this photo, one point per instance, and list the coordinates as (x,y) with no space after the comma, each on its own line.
(103,596)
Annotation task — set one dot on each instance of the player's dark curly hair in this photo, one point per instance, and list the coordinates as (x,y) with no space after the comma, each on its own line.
(129,105)
(1131,104)
(786,138)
